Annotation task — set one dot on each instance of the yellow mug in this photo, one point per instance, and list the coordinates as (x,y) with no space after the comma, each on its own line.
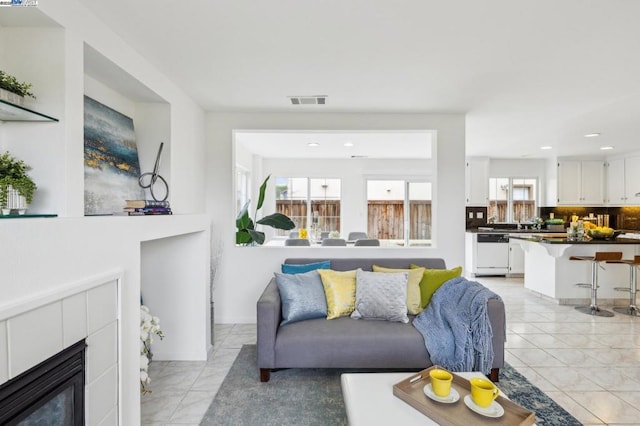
(483,392)
(441,381)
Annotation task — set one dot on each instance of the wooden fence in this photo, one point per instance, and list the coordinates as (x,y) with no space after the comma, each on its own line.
(385,217)
(328,213)
(522,210)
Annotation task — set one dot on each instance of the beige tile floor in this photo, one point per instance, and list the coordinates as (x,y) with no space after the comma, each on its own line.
(589,365)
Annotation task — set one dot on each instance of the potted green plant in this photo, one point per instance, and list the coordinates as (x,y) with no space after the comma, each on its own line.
(246,233)
(13,176)
(13,90)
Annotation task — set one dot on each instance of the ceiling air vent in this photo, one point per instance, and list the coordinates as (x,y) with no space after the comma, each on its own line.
(308,100)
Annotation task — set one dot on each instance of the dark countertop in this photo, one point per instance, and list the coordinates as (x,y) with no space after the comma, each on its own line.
(490,230)
(563,240)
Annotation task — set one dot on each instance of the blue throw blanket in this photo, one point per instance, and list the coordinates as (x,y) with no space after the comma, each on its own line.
(456,328)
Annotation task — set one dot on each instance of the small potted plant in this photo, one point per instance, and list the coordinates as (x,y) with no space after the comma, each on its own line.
(14,177)
(13,90)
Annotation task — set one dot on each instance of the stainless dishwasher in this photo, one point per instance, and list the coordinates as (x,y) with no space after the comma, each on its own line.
(491,254)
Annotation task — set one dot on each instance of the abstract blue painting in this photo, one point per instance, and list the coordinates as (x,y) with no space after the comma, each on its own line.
(111,166)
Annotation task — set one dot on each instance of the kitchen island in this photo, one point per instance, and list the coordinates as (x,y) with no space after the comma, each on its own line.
(548,270)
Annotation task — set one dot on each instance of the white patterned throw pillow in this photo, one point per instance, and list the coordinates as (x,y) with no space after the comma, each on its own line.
(381,296)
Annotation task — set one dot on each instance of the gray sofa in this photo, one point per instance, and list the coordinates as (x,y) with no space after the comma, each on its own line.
(351,343)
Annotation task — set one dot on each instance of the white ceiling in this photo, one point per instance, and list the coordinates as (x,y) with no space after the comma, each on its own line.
(526,73)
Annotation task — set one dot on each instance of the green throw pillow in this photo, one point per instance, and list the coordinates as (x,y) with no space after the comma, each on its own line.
(432,279)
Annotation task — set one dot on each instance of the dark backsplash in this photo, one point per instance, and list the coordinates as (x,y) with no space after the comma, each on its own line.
(619,217)
(624,218)
(475,217)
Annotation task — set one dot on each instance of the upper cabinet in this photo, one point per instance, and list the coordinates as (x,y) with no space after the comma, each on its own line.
(623,181)
(477,182)
(632,180)
(581,182)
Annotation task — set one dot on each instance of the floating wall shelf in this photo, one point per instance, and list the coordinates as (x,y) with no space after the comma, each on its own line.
(12,112)
(27,216)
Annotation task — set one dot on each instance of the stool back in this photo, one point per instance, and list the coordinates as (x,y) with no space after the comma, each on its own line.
(602,256)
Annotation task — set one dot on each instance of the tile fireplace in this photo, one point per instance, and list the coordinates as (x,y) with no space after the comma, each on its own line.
(79,324)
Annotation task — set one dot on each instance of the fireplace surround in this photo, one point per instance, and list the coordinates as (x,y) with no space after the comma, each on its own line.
(51,392)
(48,324)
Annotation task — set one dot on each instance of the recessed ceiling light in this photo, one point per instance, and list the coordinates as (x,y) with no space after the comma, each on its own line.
(313,144)
(348,144)
(604,148)
(546,147)
(592,135)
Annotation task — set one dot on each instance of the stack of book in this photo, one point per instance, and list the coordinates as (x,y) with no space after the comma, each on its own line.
(146,207)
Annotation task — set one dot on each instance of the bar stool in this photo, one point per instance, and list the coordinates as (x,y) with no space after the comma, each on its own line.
(633,286)
(596,261)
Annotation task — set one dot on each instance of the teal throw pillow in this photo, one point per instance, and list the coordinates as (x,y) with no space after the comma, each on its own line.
(305,267)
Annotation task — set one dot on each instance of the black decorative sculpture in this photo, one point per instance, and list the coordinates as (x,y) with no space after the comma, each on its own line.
(153,178)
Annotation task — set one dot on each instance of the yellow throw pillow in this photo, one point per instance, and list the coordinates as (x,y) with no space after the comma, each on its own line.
(340,290)
(432,279)
(414,306)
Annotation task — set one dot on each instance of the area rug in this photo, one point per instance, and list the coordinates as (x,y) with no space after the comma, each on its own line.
(313,397)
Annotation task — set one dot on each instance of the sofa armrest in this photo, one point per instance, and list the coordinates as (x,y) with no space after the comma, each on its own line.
(498,322)
(269,316)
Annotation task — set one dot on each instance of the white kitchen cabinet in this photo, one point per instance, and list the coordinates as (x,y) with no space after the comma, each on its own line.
(516,258)
(632,180)
(623,181)
(615,172)
(477,182)
(581,182)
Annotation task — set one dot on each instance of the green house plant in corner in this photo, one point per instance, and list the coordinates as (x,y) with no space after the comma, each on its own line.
(246,233)
(14,177)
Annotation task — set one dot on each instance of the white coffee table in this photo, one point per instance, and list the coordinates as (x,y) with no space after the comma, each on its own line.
(369,400)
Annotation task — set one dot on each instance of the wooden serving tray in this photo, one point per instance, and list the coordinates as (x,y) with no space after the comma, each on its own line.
(457,413)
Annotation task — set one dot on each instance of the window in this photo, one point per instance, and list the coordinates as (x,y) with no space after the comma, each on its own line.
(399,212)
(512,199)
(312,203)
(242,188)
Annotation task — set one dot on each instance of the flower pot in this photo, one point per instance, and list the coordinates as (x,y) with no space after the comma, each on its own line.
(14,98)
(15,201)
(6,212)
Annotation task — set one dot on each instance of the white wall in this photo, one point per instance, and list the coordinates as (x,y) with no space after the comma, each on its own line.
(38,59)
(237,286)
(47,254)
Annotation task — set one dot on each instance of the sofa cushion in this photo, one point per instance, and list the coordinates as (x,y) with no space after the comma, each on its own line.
(414,305)
(348,343)
(432,279)
(305,267)
(302,296)
(381,296)
(340,292)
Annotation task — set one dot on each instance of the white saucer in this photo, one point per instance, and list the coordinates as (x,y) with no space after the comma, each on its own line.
(449,399)
(494,410)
